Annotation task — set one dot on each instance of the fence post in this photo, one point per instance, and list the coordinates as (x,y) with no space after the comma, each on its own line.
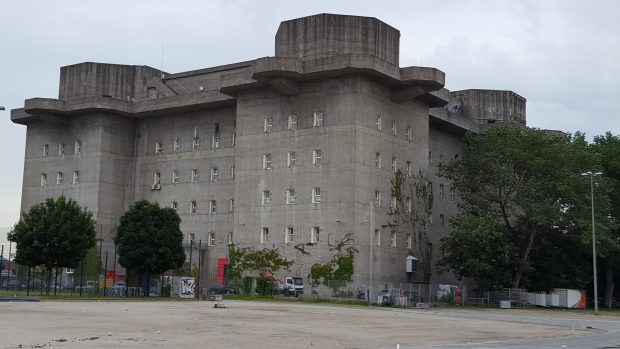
(8,270)
(105,275)
(28,286)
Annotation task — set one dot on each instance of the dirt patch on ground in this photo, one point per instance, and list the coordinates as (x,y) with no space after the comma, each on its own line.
(246,325)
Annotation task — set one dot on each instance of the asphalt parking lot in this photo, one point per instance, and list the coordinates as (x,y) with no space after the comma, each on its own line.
(243,324)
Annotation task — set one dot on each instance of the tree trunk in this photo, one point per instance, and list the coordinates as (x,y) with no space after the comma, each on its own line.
(49,280)
(147,284)
(516,280)
(609,282)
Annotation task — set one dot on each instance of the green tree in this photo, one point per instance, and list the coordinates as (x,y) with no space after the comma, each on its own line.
(608,148)
(149,240)
(414,203)
(528,179)
(56,233)
(478,248)
(247,259)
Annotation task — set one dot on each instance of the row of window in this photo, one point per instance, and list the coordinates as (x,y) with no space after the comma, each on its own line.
(291,196)
(211,238)
(293,122)
(60,178)
(193,206)
(290,235)
(77,148)
(291,159)
(408,130)
(408,202)
(393,240)
(177,144)
(214,175)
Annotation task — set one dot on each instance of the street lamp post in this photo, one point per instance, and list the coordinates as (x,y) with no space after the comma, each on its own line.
(592,175)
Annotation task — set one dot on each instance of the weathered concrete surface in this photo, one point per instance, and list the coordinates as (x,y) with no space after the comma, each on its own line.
(259,325)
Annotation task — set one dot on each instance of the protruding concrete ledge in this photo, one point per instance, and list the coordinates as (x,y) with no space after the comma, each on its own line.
(50,109)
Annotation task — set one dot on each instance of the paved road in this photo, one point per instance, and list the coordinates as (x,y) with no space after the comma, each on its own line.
(606,332)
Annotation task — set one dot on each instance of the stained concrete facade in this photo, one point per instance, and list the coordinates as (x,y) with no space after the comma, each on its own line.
(329,117)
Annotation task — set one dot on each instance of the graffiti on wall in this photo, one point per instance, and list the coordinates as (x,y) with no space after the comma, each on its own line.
(188,287)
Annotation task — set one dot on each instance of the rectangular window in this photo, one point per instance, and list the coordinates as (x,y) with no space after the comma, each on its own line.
(394,167)
(232,172)
(158,147)
(317,120)
(394,130)
(409,206)
(408,240)
(393,202)
(430,188)
(267,161)
(215,142)
(77,147)
(266,198)
(379,123)
(377,237)
(408,169)
(268,125)
(292,122)
(393,239)
(211,239)
(174,205)
(316,195)
(177,144)
(290,235)
(192,207)
(234,139)
(430,218)
(46,149)
(291,159)
(377,199)
(195,143)
(61,149)
(175,176)
(230,237)
(195,175)
(264,235)
(378,160)
(291,196)
(215,173)
(212,207)
(315,235)
(441,190)
(441,220)
(43,179)
(316,157)
(409,137)
(451,193)
(59,179)
(231,205)
(76,177)
(156,178)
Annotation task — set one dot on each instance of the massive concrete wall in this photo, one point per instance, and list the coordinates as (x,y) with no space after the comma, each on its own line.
(490,106)
(125,82)
(326,35)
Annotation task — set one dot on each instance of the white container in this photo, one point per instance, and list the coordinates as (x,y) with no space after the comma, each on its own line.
(553,300)
(531,298)
(541,299)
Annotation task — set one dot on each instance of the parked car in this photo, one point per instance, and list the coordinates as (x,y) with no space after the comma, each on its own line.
(222,289)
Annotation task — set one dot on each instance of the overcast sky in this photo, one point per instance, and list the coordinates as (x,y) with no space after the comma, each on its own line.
(561,55)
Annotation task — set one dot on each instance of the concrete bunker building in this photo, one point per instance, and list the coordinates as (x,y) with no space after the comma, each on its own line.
(298,148)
